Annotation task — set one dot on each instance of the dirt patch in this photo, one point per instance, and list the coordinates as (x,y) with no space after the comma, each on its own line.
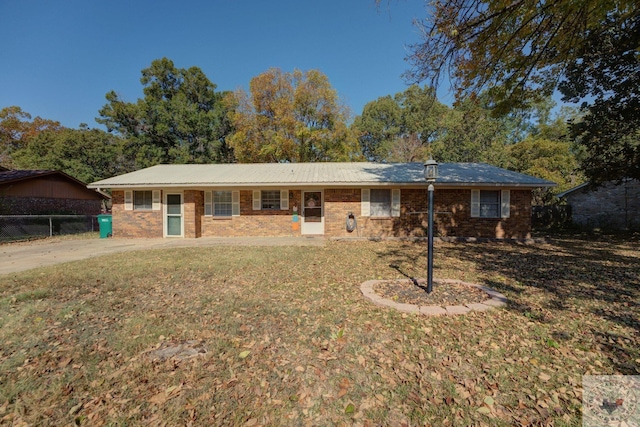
(177,350)
(415,292)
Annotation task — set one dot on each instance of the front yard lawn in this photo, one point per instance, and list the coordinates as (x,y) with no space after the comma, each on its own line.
(286,338)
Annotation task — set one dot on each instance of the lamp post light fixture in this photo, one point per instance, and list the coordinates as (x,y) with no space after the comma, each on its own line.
(430,175)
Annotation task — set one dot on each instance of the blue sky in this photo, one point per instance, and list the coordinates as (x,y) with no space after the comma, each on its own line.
(60,57)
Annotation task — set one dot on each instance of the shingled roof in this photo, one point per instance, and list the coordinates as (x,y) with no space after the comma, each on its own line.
(10,176)
(318,174)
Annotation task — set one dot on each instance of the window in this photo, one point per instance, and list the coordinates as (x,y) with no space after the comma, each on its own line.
(270,199)
(143,200)
(222,203)
(380,203)
(490,203)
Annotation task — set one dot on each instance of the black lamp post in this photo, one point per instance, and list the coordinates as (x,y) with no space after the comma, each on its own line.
(430,175)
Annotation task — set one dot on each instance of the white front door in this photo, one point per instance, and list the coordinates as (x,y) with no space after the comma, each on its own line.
(312,212)
(173,224)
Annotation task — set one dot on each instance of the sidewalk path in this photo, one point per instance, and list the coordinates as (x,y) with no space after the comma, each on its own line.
(16,257)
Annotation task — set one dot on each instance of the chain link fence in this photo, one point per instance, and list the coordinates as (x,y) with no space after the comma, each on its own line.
(21,227)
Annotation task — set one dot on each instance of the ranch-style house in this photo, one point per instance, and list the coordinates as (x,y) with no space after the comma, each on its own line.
(337,200)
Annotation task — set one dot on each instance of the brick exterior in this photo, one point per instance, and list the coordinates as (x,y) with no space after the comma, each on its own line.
(133,223)
(193,213)
(254,222)
(48,206)
(614,207)
(452,217)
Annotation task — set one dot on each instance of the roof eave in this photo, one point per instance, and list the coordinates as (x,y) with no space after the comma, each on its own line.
(322,184)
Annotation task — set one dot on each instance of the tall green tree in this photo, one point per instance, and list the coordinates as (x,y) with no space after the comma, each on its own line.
(378,127)
(17,128)
(290,117)
(86,154)
(181,119)
(472,134)
(402,127)
(606,77)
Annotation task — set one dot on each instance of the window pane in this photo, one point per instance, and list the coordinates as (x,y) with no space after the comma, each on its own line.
(222,203)
(174,226)
(142,200)
(489,204)
(271,199)
(173,204)
(380,203)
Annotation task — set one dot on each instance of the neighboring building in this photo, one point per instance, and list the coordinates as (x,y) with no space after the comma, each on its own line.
(45,192)
(610,206)
(284,199)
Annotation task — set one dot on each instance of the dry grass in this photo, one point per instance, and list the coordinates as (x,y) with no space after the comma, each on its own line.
(291,341)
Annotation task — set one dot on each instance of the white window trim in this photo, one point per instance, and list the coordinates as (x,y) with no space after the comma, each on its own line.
(257,199)
(235,203)
(208,203)
(209,208)
(505,204)
(156,201)
(128,200)
(365,202)
(395,202)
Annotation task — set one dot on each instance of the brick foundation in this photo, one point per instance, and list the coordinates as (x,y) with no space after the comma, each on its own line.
(10,205)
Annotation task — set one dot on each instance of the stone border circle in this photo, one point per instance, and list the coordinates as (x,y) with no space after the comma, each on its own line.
(495,299)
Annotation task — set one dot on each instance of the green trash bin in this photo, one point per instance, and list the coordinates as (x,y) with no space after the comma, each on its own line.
(104,223)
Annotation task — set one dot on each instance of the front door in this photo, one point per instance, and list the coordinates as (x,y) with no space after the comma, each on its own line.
(312,213)
(173,215)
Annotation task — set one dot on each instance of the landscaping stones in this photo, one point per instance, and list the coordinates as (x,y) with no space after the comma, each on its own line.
(493,298)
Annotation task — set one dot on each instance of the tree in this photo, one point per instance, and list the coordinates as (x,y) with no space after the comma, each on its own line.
(181,119)
(290,117)
(472,134)
(86,154)
(607,72)
(520,50)
(378,127)
(17,129)
(402,127)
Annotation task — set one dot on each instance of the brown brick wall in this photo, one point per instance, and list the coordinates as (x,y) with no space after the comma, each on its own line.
(253,223)
(193,210)
(134,223)
(452,217)
(10,205)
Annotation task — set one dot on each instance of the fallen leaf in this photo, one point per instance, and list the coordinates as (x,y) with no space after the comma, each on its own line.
(159,399)
(244,354)
(544,377)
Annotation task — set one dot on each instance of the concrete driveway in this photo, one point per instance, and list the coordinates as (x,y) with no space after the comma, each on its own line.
(16,257)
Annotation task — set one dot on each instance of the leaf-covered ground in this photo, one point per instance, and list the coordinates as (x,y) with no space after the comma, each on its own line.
(290,340)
